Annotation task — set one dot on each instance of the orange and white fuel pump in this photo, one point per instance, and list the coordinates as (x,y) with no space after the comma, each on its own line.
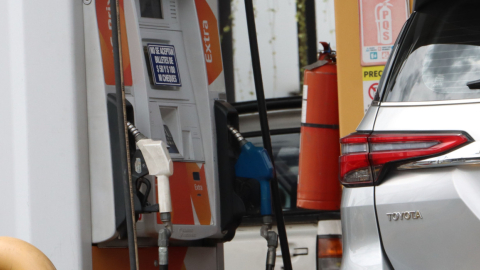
(318,186)
(172,75)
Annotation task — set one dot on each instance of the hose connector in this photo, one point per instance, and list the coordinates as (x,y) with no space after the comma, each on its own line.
(164,239)
(267,225)
(134,131)
(166,219)
(163,242)
(272,249)
(237,135)
(272,240)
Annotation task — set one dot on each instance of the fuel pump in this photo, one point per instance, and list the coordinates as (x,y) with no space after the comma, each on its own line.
(178,134)
(161,157)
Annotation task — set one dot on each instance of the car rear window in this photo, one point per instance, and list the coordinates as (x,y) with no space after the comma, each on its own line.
(438,56)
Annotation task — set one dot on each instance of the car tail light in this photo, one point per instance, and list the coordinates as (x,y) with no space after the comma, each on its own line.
(365,157)
(329,252)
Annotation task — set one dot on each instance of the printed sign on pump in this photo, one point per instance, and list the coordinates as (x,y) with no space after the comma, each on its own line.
(163,61)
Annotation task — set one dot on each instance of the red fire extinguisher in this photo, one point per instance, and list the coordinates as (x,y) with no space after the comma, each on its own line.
(318,186)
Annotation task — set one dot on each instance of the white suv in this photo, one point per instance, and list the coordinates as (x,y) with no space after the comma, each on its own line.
(412,170)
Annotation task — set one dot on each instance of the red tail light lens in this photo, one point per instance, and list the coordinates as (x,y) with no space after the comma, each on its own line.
(354,163)
(366,156)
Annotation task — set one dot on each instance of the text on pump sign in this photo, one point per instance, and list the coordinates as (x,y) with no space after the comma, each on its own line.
(164,65)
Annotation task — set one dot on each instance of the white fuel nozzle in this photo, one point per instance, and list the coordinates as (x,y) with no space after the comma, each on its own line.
(159,164)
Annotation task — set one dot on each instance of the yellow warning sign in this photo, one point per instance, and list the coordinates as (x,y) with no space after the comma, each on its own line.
(372,73)
(371,77)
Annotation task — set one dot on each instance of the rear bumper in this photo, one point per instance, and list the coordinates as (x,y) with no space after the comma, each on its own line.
(362,248)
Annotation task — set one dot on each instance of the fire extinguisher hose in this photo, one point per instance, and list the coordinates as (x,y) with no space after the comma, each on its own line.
(123,135)
(267,142)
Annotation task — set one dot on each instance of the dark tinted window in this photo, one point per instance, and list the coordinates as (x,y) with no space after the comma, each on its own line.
(151,9)
(440,54)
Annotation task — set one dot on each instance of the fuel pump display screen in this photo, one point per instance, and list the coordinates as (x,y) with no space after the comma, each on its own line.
(151,9)
(163,64)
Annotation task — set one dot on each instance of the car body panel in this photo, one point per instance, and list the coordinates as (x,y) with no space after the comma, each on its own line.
(368,120)
(448,234)
(448,198)
(362,248)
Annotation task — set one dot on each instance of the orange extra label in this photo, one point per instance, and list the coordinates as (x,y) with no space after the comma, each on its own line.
(104,19)
(189,191)
(210,39)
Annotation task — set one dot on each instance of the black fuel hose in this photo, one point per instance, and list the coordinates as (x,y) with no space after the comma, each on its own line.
(122,132)
(267,142)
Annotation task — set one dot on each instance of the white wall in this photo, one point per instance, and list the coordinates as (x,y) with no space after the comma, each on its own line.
(44,186)
(278,45)
(326,22)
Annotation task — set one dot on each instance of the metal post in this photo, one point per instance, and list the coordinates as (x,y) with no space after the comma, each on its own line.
(123,135)
(267,142)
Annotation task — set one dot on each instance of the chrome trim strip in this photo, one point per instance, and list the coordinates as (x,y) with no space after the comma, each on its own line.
(430,103)
(436,163)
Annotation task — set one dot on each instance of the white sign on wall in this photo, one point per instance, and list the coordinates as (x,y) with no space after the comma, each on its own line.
(380,23)
(371,76)
(278,45)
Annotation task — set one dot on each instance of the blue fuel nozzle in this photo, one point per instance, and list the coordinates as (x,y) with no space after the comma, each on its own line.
(255,163)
